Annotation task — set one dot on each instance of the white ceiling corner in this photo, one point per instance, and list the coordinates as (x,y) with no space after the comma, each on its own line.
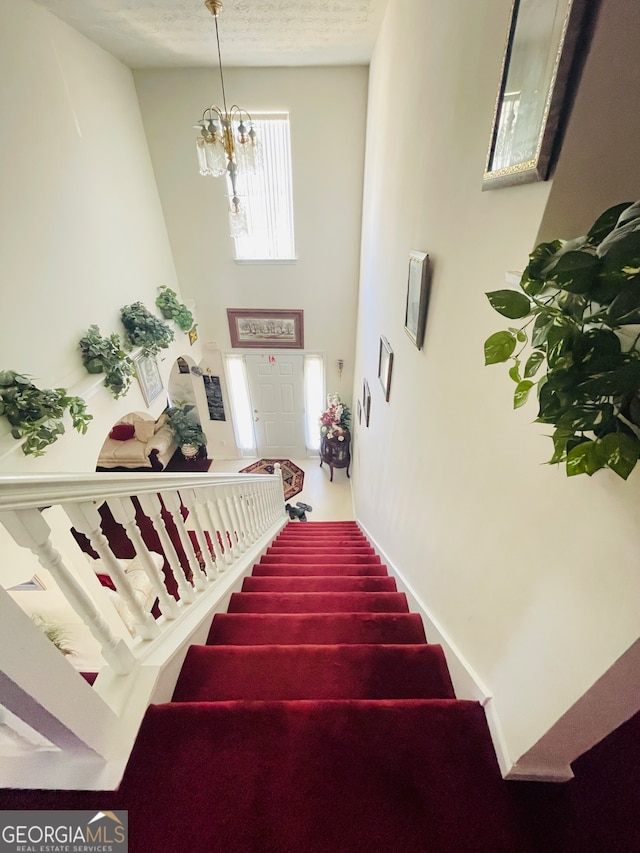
(181,33)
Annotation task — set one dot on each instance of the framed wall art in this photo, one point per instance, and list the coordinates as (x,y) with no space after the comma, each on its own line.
(546,43)
(266,328)
(385,366)
(148,377)
(215,403)
(415,316)
(366,401)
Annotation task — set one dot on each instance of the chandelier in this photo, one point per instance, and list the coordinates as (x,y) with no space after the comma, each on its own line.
(227,144)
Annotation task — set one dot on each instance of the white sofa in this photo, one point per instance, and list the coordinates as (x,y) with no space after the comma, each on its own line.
(146,443)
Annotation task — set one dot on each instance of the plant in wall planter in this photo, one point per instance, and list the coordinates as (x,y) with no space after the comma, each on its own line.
(187,431)
(172,309)
(105,355)
(144,329)
(36,415)
(580,301)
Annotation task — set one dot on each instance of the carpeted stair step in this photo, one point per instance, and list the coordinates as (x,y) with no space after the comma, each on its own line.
(294,552)
(212,673)
(317,583)
(297,534)
(314,628)
(318,602)
(325,569)
(302,559)
(412,776)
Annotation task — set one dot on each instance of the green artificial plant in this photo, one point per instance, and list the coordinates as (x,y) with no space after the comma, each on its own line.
(144,329)
(105,355)
(36,415)
(186,430)
(580,301)
(172,309)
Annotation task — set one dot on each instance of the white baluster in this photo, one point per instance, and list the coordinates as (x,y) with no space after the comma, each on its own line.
(86,518)
(240,497)
(252,510)
(229,542)
(217,527)
(261,506)
(171,501)
(235,520)
(191,501)
(124,512)
(152,508)
(30,530)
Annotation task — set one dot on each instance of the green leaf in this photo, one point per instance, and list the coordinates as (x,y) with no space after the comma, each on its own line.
(521,336)
(509,303)
(531,286)
(605,223)
(540,258)
(620,453)
(541,327)
(499,347)
(575,271)
(583,458)
(522,392)
(533,363)
(585,417)
(624,380)
(560,438)
(514,372)
(572,304)
(625,308)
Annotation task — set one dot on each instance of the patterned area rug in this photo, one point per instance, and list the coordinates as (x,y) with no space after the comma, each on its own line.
(292,476)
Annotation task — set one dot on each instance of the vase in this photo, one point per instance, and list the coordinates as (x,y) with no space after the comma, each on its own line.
(189,451)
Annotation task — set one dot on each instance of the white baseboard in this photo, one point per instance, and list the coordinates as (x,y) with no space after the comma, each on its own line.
(466,682)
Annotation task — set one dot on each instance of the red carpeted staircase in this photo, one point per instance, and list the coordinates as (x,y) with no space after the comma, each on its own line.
(317,719)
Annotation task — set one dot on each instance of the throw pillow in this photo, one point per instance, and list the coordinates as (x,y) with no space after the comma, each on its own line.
(144,427)
(122,432)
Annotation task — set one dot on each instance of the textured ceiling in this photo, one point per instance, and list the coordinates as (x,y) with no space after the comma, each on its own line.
(181,33)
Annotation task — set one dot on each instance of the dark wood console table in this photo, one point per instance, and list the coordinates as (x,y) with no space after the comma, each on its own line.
(337,454)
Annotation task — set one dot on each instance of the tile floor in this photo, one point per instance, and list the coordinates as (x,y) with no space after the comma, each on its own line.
(330,501)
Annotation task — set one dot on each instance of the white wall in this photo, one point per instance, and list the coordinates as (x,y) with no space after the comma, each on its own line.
(327,109)
(81,226)
(532,575)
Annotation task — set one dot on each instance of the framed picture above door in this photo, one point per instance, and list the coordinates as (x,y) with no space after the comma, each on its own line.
(266,328)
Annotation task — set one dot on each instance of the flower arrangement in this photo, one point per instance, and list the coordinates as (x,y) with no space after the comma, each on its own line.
(335,420)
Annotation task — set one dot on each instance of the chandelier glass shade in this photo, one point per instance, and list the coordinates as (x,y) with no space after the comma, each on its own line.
(227,144)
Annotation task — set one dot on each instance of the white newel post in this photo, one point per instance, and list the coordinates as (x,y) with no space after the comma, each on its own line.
(191,500)
(30,530)
(124,512)
(86,518)
(152,508)
(171,501)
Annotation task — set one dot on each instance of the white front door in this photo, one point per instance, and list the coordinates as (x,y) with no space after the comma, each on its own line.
(276,387)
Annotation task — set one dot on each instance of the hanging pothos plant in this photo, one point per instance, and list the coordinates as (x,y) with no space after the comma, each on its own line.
(172,309)
(105,355)
(144,329)
(581,303)
(36,415)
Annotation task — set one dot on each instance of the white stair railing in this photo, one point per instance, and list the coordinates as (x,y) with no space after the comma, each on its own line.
(220,525)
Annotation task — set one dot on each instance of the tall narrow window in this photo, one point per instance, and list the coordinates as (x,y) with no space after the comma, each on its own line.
(313,398)
(267,196)
(240,404)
